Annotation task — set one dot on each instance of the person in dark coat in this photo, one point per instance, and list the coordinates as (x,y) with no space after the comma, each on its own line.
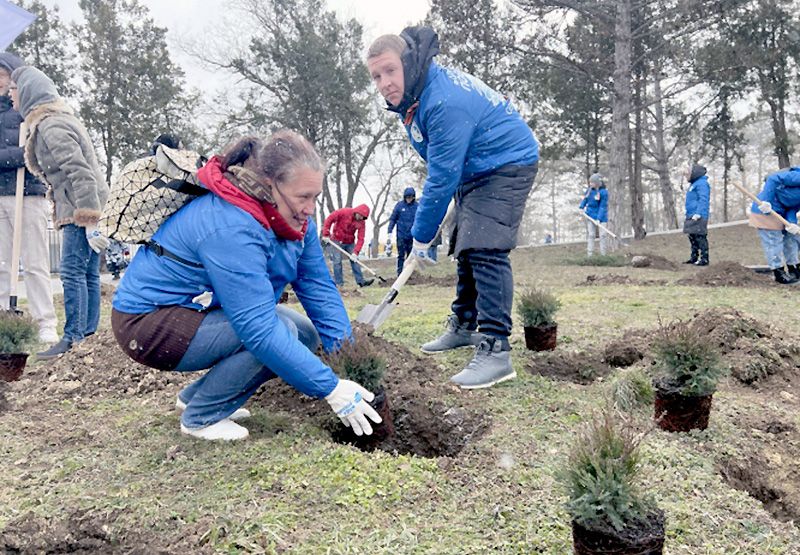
(402,219)
(480,153)
(696,223)
(35,211)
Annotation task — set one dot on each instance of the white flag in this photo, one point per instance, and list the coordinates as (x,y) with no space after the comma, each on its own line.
(13,20)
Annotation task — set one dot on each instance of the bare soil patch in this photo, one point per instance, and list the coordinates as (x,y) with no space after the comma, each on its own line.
(729,274)
(657,262)
(437,281)
(580,368)
(618,279)
(756,476)
(87,533)
(754,350)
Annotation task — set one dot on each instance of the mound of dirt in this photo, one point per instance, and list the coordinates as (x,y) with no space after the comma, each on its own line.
(618,279)
(3,401)
(96,367)
(84,533)
(657,262)
(728,274)
(427,422)
(581,368)
(753,350)
(436,281)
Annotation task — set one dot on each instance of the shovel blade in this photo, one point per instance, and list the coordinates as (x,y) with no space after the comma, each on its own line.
(374,315)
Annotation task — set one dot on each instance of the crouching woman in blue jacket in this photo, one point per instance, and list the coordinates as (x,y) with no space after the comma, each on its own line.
(204,294)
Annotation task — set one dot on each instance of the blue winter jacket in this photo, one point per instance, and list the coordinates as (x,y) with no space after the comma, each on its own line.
(782,191)
(246,267)
(697,197)
(403,217)
(595,202)
(463,130)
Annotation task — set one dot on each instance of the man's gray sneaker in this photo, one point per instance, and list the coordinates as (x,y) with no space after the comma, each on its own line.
(456,335)
(490,365)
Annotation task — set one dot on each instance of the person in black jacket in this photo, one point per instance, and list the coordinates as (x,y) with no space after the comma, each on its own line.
(35,210)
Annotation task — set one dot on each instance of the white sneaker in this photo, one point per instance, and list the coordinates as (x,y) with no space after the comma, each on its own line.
(225,430)
(48,336)
(238,414)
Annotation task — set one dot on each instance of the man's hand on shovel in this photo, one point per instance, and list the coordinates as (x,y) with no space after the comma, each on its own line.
(420,252)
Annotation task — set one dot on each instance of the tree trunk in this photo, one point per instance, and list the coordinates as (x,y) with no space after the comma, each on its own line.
(726,166)
(776,108)
(621,108)
(637,194)
(662,162)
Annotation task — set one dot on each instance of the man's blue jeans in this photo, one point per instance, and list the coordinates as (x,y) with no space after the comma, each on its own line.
(778,246)
(404,244)
(80,275)
(234,373)
(336,259)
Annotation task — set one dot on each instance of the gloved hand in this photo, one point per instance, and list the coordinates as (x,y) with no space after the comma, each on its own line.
(419,251)
(325,240)
(765,207)
(794,229)
(353,257)
(97,242)
(696,217)
(389,243)
(350,402)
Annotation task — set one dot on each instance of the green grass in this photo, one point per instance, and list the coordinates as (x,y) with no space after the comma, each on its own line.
(289,489)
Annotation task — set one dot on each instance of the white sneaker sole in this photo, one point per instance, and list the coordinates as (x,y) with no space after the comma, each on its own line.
(446,350)
(489,384)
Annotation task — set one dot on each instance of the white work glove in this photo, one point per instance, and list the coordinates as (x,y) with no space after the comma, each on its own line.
(353,257)
(794,229)
(419,251)
(765,207)
(325,240)
(696,217)
(350,402)
(388,243)
(96,240)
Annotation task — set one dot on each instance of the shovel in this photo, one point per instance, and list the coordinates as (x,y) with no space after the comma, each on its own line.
(375,315)
(355,259)
(757,200)
(16,243)
(604,228)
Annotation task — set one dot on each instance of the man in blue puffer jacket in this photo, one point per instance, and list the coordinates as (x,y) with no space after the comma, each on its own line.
(403,218)
(479,152)
(781,195)
(595,205)
(696,223)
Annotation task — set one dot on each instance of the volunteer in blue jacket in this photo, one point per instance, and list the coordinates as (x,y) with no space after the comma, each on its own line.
(780,195)
(479,152)
(696,223)
(403,218)
(206,296)
(595,205)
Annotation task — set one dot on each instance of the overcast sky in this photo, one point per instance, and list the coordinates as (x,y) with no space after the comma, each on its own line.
(188,18)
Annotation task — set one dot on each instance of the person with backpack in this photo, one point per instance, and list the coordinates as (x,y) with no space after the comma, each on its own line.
(595,205)
(60,153)
(696,224)
(35,211)
(402,218)
(780,195)
(481,153)
(346,227)
(207,297)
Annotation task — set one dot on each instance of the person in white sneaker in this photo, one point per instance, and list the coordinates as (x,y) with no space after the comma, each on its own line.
(205,295)
(35,209)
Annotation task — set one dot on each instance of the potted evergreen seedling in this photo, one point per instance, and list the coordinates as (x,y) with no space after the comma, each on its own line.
(688,370)
(18,333)
(360,362)
(609,513)
(537,308)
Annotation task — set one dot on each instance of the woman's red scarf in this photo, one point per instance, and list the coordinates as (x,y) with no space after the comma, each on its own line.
(213,178)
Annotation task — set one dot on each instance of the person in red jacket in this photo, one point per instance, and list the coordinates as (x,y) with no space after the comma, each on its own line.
(346,224)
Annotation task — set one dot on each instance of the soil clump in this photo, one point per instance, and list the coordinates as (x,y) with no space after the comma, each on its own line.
(618,279)
(728,274)
(581,368)
(657,262)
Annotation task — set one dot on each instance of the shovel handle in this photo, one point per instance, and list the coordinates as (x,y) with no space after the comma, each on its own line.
(16,242)
(367,268)
(401,280)
(757,200)
(598,224)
